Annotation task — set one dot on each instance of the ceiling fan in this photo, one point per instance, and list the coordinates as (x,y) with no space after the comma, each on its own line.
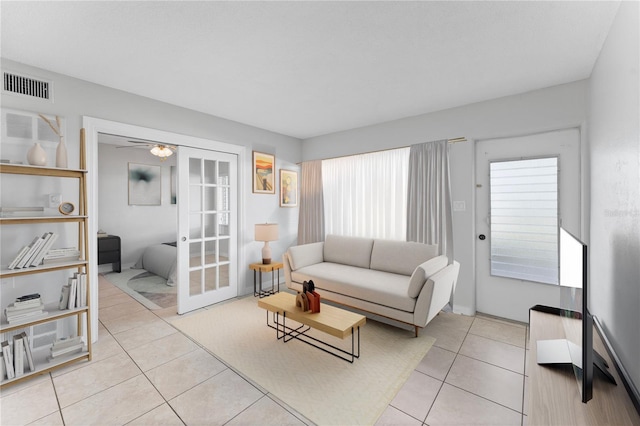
(161,150)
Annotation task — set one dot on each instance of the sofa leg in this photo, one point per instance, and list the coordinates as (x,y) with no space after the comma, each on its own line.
(417,330)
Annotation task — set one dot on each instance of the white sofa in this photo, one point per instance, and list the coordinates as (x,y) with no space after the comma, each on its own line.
(404,281)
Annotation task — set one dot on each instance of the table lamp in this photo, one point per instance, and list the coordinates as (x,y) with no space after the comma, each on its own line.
(266,232)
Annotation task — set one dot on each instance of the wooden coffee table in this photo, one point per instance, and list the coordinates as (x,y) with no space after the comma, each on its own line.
(331,320)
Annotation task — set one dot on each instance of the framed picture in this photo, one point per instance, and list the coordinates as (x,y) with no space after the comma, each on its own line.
(144,185)
(264,166)
(288,188)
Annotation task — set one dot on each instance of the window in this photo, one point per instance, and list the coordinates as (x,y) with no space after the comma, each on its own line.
(366,195)
(524,219)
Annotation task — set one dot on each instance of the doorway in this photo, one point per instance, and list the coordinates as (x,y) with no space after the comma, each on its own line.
(509,297)
(93,127)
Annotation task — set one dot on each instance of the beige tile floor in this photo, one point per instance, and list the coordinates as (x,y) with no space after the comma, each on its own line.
(145,372)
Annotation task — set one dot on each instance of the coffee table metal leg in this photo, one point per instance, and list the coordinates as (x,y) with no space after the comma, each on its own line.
(299,333)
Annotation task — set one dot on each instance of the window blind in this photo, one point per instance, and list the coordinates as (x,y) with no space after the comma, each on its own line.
(524,219)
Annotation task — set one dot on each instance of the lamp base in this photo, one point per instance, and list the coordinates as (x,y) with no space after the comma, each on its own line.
(266,253)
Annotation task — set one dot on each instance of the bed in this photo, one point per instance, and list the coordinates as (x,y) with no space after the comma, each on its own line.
(160,259)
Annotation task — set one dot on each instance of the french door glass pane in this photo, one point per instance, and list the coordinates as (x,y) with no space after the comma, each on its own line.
(209,172)
(210,225)
(524,219)
(210,201)
(195,282)
(195,171)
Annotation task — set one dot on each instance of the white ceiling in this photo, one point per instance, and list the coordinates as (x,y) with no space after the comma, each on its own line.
(309,68)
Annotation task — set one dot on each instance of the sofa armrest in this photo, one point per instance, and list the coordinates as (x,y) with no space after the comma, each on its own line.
(305,255)
(436,294)
(423,272)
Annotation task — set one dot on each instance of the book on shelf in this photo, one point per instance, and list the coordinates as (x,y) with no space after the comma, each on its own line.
(18,355)
(27,350)
(27,297)
(3,369)
(66,342)
(28,254)
(39,245)
(17,305)
(18,257)
(64,297)
(48,242)
(21,211)
(61,255)
(61,252)
(81,289)
(53,261)
(66,347)
(73,288)
(8,359)
(25,308)
(27,317)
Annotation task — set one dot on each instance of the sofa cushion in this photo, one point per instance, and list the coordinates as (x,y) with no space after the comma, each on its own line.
(305,254)
(400,257)
(353,251)
(382,288)
(423,272)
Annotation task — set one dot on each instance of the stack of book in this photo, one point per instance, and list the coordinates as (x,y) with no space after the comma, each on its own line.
(65,346)
(74,293)
(25,308)
(68,254)
(13,359)
(34,253)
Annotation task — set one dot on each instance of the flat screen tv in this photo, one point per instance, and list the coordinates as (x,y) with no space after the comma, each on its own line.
(577,348)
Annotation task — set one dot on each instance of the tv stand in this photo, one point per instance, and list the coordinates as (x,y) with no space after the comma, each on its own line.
(563,351)
(554,394)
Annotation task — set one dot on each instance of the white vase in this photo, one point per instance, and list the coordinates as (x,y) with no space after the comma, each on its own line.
(36,156)
(61,154)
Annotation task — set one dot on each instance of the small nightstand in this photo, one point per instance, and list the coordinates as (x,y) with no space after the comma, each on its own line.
(109,252)
(260,268)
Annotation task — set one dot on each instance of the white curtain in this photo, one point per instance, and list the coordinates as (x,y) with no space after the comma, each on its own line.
(366,195)
(429,218)
(311,214)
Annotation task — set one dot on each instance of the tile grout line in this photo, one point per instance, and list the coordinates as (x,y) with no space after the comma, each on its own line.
(472,393)
(444,380)
(138,366)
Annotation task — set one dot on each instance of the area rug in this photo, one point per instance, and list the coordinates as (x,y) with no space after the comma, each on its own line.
(323,388)
(149,289)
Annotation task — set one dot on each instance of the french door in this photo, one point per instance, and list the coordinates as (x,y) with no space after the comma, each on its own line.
(207,227)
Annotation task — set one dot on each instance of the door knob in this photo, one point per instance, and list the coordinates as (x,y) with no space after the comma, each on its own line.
(184,238)
(481,237)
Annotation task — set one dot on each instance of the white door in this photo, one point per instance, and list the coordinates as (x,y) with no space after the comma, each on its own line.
(512,297)
(207,228)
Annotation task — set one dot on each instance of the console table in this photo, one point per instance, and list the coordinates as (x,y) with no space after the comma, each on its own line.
(554,394)
(109,252)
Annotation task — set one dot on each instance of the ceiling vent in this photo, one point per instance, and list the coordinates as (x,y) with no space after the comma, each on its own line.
(27,86)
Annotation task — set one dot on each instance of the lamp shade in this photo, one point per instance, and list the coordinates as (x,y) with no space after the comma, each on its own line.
(266,232)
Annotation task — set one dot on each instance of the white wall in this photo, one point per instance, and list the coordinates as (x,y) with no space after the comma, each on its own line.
(75,98)
(552,108)
(614,145)
(137,226)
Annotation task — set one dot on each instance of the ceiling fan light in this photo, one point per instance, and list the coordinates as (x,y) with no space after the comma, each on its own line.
(161,151)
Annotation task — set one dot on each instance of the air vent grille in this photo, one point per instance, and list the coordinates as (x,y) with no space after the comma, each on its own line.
(27,86)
